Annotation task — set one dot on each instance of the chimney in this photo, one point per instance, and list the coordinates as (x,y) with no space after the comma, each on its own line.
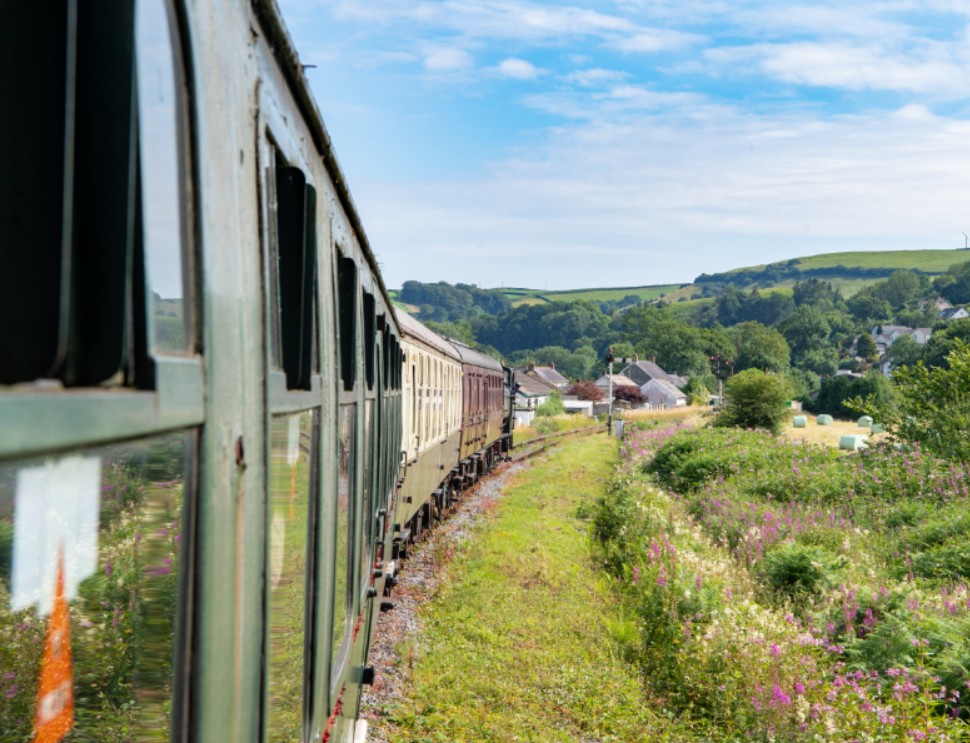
(532,366)
(653,359)
(552,365)
(635,358)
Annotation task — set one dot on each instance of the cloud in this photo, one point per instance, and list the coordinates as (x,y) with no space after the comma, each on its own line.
(655,41)
(595,77)
(447,59)
(688,188)
(518,69)
(929,70)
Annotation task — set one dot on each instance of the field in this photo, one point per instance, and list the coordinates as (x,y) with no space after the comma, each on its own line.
(521,296)
(826,435)
(933,261)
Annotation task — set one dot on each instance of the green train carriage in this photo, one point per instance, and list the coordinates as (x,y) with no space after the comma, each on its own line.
(200,385)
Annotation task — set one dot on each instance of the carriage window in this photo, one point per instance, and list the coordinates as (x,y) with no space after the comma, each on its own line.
(92,212)
(91,545)
(161,197)
(293,268)
(347,299)
(365,528)
(290,568)
(343,547)
(370,339)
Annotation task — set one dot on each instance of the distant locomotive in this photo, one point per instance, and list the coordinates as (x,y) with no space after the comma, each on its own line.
(207,402)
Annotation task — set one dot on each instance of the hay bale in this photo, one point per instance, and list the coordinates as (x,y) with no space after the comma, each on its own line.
(877,428)
(853,441)
(865,421)
(799,421)
(824,420)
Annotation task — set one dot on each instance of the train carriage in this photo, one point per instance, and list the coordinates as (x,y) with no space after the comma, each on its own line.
(432,399)
(200,376)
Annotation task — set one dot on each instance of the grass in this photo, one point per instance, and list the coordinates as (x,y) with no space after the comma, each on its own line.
(516,643)
(826,435)
(936,261)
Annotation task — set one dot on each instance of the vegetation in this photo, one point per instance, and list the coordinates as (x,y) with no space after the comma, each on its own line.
(513,647)
(785,592)
(756,399)
(931,407)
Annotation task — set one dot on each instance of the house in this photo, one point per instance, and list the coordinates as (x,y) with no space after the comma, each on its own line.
(530,393)
(642,372)
(954,313)
(885,335)
(548,374)
(619,380)
(663,393)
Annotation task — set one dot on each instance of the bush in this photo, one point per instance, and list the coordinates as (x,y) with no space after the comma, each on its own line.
(756,400)
(796,570)
(552,406)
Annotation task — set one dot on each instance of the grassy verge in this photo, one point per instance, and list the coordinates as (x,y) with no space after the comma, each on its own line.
(515,645)
(784,592)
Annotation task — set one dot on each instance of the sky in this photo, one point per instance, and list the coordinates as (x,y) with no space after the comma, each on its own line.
(607,143)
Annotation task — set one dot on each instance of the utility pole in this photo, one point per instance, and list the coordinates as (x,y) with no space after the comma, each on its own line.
(609,374)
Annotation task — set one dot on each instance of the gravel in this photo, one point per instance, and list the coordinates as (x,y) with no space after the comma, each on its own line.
(399,631)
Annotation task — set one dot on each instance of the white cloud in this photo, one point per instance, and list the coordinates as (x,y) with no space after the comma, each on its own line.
(858,68)
(689,188)
(518,69)
(596,76)
(447,59)
(658,40)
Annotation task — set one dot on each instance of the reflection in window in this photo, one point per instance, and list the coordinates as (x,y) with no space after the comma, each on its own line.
(291,457)
(158,141)
(346,490)
(366,528)
(89,572)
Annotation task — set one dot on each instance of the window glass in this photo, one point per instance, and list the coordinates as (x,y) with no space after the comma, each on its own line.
(290,503)
(89,571)
(346,491)
(158,142)
(367,512)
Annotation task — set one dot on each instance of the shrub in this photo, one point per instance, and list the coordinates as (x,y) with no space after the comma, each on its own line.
(756,400)
(796,570)
(552,406)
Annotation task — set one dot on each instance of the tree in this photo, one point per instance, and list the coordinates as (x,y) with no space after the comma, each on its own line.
(954,285)
(630,393)
(905,351)
(586,391)
(697,392)
(870,309)
(758,347)
(865,348)
(943,341)
(756,399)
(933,407)
(806,330)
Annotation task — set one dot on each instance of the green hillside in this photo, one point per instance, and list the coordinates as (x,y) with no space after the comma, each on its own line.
(849,271)
(521,296)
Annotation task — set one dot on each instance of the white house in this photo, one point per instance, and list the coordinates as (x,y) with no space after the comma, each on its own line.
(530,393)
(661,392)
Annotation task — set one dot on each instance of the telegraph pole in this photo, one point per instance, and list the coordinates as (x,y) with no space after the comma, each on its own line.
(609,374)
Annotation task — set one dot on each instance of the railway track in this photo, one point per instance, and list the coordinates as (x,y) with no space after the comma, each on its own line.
(538,445)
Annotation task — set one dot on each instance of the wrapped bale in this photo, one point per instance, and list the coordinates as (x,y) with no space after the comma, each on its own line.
(824,420)
(853,441)
(799,421)
(877,428)
(865,421)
